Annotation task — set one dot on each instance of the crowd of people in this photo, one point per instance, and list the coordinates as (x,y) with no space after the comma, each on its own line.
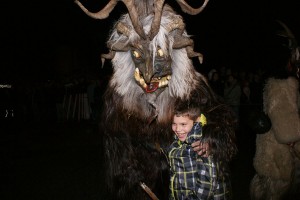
(240,89)
(50,100)
(53,101)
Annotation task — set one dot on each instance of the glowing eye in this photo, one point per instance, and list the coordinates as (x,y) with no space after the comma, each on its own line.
(160,52)
(136,54)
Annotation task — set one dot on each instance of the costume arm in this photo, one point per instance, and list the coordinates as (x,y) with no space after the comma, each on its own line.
(281,105)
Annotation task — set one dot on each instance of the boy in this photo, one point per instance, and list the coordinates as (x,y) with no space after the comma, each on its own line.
(193,177)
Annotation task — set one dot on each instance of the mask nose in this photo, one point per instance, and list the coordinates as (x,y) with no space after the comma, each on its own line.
(149,70)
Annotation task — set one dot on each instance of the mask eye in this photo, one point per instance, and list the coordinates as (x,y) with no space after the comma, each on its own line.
(160,53)
(136,54)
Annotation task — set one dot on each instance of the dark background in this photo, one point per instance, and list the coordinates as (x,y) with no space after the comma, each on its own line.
(54,39)
(44,158)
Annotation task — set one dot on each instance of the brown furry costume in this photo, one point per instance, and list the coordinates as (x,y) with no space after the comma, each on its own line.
(274,159)
(152,71)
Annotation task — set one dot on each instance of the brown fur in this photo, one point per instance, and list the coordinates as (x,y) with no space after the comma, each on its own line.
(136,120)
(273,161)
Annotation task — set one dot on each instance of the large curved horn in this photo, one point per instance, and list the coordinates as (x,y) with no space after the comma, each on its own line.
(188,9)
(109,56)
(158,6)
(123,29)
(181,41)
(135,18)
(177,23)
(185,42)
(104,13)
(288,34)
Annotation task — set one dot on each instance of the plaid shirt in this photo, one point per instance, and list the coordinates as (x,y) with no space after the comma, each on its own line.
(194,177)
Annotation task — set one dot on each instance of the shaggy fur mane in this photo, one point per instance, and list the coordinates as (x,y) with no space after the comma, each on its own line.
(184,77)
(136,124)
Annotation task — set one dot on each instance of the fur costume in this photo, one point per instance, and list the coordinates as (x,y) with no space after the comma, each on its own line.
(274,159)
(152,70)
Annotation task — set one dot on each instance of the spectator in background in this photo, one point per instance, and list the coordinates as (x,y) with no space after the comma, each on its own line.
(232,94)
(210,74)
(246,93)
(216,84)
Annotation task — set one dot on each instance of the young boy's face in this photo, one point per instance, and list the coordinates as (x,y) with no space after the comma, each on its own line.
(182,125)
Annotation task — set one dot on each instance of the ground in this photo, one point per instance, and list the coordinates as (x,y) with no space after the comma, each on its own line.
(63,161)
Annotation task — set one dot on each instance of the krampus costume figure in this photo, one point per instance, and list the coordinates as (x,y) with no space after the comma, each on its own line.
(277,154)
(152,69)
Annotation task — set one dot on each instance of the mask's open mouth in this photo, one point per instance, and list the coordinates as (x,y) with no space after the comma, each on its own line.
(155,83)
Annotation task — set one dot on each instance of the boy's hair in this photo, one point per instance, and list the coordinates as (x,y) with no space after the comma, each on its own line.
(186,111)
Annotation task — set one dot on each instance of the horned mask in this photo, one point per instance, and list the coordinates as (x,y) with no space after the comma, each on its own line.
(141,32)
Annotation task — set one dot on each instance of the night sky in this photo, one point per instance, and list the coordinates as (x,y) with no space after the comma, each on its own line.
(52,39)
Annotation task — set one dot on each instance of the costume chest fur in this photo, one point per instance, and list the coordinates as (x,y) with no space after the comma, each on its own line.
(273,157)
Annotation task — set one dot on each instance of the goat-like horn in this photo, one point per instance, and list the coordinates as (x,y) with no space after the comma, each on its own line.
(191,53)
(102,14)
(184,42)
(177,23)
(118,46)
(158,6)
(181,42)
(135,18)
(288,34)
(109,55)
(123,29)
(188,9)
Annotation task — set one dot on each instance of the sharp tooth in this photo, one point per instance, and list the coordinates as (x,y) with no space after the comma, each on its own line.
(159,78)
(137,74)
(162,83)
(165,83)
(142,81)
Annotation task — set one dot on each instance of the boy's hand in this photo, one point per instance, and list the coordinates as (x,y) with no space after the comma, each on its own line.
(201,148)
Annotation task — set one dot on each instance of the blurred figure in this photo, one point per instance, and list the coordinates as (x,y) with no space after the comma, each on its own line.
(232,94)
(276,159)
(216,84)
(210,74)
